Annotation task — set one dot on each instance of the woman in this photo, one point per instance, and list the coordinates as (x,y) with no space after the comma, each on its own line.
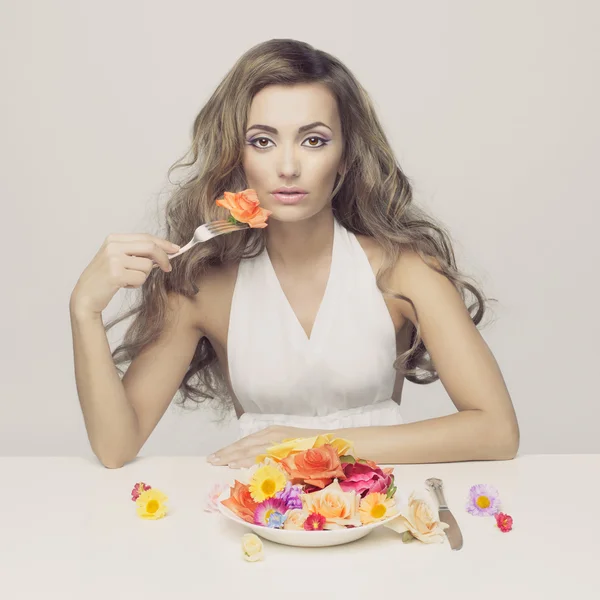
(310,324)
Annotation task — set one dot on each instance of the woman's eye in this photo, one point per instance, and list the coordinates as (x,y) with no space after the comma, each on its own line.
(316,137)
(260,139)
(258,142)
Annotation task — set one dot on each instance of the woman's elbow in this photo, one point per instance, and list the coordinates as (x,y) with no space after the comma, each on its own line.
(507,441)
(114,462)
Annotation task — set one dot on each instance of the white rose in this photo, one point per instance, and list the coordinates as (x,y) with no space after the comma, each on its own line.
(295,519)
(420,520)
(252,547)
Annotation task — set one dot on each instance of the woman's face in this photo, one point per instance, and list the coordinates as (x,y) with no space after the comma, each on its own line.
(285,147)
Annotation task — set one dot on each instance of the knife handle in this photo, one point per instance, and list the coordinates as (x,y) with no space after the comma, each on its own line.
(437,487)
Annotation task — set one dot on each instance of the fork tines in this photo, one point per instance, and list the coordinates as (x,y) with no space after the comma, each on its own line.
(219,226)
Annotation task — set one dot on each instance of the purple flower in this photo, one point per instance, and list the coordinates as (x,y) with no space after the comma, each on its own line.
(484,500)
(291,495)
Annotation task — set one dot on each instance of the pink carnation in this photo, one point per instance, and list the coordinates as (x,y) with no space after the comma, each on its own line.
(138,488)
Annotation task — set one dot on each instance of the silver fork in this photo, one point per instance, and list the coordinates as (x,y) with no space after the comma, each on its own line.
(208,231)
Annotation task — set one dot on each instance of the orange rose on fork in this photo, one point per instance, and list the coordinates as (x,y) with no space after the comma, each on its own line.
(245,207)
(315,466)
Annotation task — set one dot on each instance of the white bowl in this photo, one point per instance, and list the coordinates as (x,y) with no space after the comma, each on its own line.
(313,539)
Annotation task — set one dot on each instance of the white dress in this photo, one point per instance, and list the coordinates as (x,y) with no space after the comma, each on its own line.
(342,376)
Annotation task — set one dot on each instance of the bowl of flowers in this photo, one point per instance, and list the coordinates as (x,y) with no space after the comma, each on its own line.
(312,492)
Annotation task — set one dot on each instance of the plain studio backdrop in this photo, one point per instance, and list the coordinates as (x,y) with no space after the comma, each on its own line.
(491,108)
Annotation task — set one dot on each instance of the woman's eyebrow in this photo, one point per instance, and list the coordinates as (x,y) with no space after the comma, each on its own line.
(300,129)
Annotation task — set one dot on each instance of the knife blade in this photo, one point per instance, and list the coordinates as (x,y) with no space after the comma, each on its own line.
(453,532)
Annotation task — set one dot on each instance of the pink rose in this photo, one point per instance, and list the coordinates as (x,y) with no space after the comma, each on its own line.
(364,479)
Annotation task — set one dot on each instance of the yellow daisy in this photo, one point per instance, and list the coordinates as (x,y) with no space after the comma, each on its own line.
(151,504)
(266,482)
(375,507)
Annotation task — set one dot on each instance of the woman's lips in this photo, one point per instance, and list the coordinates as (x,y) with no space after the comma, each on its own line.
(289,198)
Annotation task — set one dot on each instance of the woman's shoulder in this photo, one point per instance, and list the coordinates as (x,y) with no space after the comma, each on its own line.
(408,261)
(373,250)
(375,254)
(411,276)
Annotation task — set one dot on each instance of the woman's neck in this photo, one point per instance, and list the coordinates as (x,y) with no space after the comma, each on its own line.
(301,244)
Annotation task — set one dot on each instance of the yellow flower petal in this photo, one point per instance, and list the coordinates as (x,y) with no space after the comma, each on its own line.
(288,446)
(266,482)
(376,507)
(151,504)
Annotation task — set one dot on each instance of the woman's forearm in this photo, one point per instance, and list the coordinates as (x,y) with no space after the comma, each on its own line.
(110,419)
(462,436)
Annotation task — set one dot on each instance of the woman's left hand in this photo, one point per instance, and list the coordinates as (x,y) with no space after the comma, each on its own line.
(243,453)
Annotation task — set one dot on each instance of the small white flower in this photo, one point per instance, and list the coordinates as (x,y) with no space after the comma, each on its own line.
(252,547)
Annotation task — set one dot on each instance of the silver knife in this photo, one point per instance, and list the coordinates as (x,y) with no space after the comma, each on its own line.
(453,532)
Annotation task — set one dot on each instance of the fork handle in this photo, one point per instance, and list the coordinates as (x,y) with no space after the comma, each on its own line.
(183,249)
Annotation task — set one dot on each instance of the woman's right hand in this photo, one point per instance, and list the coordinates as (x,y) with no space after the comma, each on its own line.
(123,261)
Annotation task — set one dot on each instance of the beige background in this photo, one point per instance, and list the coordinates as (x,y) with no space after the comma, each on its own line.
(492,109)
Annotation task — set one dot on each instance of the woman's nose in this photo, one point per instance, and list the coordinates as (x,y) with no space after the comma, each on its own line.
(289,164)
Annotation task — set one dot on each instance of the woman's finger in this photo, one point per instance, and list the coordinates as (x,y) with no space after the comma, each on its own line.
(222,456)
(246,457)
(166,245)
(245,460)
(263,438)
(242,463)
(138,263)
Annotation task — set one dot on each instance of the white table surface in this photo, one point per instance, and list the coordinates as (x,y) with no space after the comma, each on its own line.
(69,529)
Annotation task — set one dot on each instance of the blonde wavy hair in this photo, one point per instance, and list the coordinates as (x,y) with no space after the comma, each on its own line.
(372,197)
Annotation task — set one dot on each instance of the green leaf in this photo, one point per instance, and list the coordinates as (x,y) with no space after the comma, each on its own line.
(408,537)
(233,220)
(392,488)
(347,458)
(391,491)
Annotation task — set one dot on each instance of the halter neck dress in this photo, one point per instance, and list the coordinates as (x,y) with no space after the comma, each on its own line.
(342,376)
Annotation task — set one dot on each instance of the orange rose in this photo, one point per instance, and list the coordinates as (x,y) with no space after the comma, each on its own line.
(315,466)
(240,502)
(244,207)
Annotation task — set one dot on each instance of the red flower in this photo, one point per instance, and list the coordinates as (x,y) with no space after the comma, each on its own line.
(365,479)
(309,489)
(314,522)
(504,521)
(138,489)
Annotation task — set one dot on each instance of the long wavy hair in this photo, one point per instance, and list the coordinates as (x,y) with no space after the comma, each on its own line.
(372,197)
